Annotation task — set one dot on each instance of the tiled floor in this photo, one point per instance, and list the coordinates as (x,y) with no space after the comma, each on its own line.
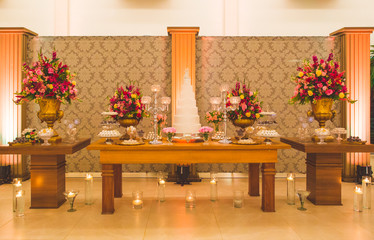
(171,220)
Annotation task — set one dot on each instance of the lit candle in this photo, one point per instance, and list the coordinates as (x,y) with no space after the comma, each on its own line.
(366,190)
(71,195)
(162,182)
(17,186)
(213,190)
(88,189)
(20,203)
(238,199)
(358,199)
(190,199)
(155,88)
(137,204)
(161,190)
(291,189)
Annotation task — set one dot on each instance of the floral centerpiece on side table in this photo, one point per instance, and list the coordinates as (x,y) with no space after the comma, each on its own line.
(205,131)
(249,107)
(127,103)
(49,83)
(170,132)
(320,83)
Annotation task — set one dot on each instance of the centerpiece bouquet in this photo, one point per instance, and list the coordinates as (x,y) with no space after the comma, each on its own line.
(127,103)
(319,79)
(170,132)
(214,117)
(205,130)
(249,106)
(47,78)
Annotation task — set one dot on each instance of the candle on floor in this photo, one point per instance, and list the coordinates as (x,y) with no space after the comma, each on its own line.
(358,199)
(190,199)
(161,190)
(88,189)
(17,185)
(213,186)
(291,188)
(366,191)
(20,203)
(137,200)
(238,199)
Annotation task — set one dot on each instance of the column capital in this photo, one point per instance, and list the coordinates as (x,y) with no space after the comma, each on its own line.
(354,30)
(183,30)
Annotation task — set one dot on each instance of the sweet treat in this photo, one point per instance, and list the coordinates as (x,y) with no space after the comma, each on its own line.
(322,132)
(268,133)
(186,119)
(109,133)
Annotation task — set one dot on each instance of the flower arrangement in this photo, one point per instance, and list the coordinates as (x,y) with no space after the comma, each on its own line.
(47,78)
(31,135)
(319,79)
(214,117)
(205,130)
(127,103)
(161,119)
(249,106)
(170,132)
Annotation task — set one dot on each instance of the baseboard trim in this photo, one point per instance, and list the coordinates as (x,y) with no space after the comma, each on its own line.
(154,175)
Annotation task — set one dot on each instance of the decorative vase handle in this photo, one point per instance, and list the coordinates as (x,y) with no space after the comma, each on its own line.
(60,114)
(333,112)
(38,114)
(310,113)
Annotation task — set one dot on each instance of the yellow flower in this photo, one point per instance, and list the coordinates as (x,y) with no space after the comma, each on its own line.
(241,96)
(318,73)
(115,106)
(133,95)
(50,86)
(230,95)
(257,115)
(341,95)
(73,82)
(310,93)
(301,74)
(248,114)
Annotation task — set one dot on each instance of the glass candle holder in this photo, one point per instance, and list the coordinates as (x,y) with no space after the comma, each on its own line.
(302,194)
(213,187)
(20,203)
(137,200)
(70,196)
(190,199)
(291,189)
(17,185)
(238,200)
(88,181)
(161,189)
(358,199)
(366,190)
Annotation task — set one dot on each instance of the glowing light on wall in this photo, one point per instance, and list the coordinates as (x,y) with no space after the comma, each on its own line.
(355,47)
(12,56)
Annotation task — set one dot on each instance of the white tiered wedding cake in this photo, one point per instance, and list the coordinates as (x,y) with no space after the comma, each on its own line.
(186,119)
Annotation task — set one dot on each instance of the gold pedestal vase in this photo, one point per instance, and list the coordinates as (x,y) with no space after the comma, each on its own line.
(321,111)
(127,122)
(50,113)
(244,124)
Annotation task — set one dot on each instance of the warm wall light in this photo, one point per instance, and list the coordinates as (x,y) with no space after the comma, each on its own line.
(12,55)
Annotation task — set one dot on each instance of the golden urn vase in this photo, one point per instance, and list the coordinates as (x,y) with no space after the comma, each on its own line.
(127,122)
(50,113)
(244,124)
(321,111)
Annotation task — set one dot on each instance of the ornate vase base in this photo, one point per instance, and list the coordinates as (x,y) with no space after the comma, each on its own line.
(327,139)
(55,139)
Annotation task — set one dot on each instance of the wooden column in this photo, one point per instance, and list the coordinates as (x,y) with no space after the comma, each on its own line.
(324,178)
(182,56)
(107,173)
(47,181)
(355,49)
(13,43)
(117,169)
(268,187)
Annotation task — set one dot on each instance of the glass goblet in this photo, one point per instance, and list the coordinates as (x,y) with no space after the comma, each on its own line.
(302,194)
(70,196)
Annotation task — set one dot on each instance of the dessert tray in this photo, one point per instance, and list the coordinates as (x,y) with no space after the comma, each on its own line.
(248,141)
(130,143)
(268,133)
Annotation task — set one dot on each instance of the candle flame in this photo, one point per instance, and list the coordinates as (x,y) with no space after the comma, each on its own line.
(19,193)
(213,181)
(89,176)
(358,189)
(366,180)
(162,182)
(71,194)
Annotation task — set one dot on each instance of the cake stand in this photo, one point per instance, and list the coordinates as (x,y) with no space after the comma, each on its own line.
(109,128)
(266,126)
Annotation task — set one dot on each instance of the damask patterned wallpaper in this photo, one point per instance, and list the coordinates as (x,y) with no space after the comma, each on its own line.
(101,63)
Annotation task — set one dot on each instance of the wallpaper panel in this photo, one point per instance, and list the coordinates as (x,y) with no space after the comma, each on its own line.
(101,63)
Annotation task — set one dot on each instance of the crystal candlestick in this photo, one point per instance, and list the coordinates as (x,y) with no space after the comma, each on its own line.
(17,186)
(88,189)
(366,190)
(291,188)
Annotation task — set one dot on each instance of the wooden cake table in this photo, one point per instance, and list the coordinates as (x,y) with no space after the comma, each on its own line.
(324,164)
(47,170)
(112,156)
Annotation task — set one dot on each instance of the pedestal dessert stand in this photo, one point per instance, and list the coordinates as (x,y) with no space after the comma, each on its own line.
(267,125)
(109,128)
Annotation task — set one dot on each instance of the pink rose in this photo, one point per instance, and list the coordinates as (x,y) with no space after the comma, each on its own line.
(319,85)
(329,92)
(39,72)
(324,88)
(50,70)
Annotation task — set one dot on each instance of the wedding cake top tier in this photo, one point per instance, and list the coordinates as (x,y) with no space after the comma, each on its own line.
(186,119)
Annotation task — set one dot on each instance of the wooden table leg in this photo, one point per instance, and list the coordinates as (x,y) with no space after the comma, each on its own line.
(323,178)
(253,179)
(117,180)
(107,174)
(47,181)
(268,187)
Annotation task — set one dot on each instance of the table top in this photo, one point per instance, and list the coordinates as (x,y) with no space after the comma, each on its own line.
(332,147)
(54,149)
(100,145)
